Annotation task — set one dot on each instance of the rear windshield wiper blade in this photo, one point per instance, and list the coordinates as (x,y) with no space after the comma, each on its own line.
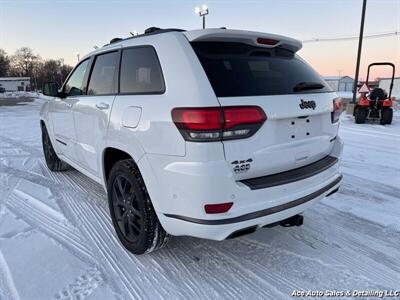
(303,86)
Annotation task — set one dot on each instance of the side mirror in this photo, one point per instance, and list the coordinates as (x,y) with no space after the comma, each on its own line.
(50,89)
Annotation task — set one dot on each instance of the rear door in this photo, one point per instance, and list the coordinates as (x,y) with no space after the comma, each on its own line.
(92,112)
(297,102)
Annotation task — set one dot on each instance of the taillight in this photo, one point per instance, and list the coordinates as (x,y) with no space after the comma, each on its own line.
(337,109)
(363,101)
(218,123)
(387,103)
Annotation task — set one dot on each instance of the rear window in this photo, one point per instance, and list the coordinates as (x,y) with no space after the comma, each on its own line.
(237,69)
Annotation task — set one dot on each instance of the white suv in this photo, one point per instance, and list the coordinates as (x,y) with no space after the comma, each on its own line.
(208,133)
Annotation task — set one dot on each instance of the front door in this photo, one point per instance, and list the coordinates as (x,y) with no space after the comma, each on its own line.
(61,112)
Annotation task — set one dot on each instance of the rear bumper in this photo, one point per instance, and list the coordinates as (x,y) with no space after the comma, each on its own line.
(326,190)
(180,189)
(220,229)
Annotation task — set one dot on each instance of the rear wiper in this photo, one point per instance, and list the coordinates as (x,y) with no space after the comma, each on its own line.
(303,86)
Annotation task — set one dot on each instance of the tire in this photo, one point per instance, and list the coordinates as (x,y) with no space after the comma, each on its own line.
(360,115)
(132,212)
(386,116)
(53,162)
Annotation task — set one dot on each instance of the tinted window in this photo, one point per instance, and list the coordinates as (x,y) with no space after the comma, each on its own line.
(102,79)
(236,69)
(140,71)
(75,84)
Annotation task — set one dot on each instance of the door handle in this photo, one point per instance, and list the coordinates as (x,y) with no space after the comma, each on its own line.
(102,105)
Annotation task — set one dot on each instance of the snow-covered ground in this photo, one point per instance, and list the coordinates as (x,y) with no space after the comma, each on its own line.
(19,94)
(57,241)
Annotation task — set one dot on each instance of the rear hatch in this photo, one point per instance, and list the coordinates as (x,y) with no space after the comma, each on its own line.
(264,71)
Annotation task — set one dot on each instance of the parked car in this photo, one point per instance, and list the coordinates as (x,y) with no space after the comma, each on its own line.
(206,133)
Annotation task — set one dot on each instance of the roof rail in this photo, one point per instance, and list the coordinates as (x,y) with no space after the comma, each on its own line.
(114,40)
(156,30)
(148,31)
(151,30)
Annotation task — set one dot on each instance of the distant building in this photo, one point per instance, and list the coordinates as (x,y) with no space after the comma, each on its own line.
(343,85)
(340,83)
(13,84)
(384,83)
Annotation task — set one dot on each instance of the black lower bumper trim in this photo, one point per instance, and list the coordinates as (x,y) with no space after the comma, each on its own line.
(260,213)
(291,175)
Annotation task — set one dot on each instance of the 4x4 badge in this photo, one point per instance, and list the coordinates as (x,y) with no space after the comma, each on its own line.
(241,166)
(307,104)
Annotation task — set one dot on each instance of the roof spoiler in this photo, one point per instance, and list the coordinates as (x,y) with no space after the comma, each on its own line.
(248,37)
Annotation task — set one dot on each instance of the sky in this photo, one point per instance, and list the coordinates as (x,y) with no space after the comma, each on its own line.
(61,28)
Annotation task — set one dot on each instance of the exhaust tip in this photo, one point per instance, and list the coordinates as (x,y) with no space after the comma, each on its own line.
(296,220)
(242,232)
(332,192)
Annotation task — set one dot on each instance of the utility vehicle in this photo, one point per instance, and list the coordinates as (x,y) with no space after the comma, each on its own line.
(206,133)
(377,104)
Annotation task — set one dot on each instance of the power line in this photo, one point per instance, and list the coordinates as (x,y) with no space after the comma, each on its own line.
(349,38)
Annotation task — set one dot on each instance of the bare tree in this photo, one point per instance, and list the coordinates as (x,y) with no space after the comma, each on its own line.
(52,70)
(4,63)
(24,61)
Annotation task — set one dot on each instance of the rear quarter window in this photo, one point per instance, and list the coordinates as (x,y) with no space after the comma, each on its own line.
(141,72)
(237,69)
(103,77)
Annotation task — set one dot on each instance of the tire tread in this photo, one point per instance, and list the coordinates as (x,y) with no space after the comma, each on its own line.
(53,163)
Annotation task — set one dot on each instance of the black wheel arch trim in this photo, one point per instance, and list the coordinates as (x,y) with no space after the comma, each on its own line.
(260,213)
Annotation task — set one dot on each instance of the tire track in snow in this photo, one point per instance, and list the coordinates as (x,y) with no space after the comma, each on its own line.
(253,263)
(373,264)
(99,229)
(377,133)
(30,176)
(231,278)
(177,259)
(22,146)
(258,256)
(348,189)
(127,265)
(82,287)
(369,147)
(54,228)
(58,229)
(100,217)
(248,281)
(338,272)
(7,285)
(105,254)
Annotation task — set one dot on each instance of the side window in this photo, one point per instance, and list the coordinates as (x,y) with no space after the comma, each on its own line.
(102,79)
(141,71)
(74,85)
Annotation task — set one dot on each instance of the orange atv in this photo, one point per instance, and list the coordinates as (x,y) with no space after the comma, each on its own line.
(378,104)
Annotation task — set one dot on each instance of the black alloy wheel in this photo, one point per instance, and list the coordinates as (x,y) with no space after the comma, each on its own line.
(134,218)
(126,208)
